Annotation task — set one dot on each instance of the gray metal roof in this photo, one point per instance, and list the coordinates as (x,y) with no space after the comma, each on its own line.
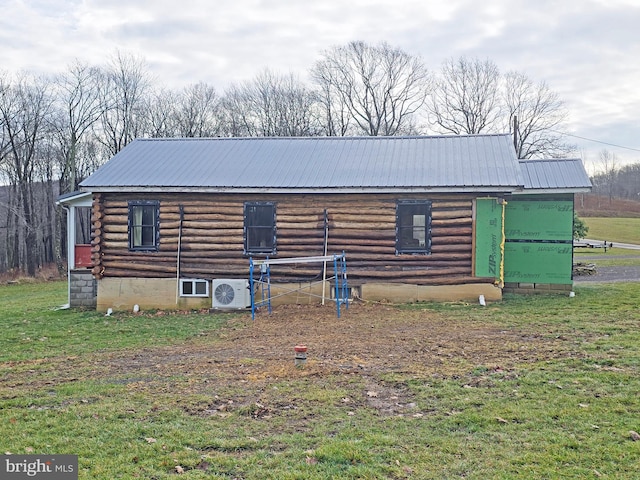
(313,164)
(72,197)
(558,175)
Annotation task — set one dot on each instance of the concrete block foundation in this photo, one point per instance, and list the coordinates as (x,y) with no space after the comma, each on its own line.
(82,289)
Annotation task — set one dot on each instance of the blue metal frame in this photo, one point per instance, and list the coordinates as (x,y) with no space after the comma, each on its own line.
(264,281)
(342,290)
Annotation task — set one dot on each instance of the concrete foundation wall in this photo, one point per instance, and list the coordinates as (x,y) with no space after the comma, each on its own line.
(156,293)
(82,289)
(147,293)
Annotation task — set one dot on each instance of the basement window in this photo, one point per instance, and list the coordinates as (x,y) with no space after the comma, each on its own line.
(191,287)
(413,226)
(259,228)
(144,219)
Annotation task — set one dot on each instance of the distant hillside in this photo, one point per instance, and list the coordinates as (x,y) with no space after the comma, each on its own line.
(590,205)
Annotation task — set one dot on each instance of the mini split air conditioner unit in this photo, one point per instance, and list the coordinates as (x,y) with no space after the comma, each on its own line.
(231,293)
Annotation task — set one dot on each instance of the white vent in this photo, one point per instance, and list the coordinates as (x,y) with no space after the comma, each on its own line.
(231,293)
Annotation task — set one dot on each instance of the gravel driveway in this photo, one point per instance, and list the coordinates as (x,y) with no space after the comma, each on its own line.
(608,274)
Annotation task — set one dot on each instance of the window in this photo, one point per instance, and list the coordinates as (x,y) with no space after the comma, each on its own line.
(413,226)
(194,288)
(259,227)
(144,220)
(83,226)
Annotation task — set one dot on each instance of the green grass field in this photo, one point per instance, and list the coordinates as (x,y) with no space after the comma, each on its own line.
(614,229)
(612,257)
(566,413)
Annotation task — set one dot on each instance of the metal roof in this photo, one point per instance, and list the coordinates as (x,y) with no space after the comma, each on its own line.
(74,198)
(313,164)
(559,175)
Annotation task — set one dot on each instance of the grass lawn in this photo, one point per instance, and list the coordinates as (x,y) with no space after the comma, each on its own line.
(532,387)
(614,229)
(611,258)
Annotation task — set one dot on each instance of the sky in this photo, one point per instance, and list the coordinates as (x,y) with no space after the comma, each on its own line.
(588,51)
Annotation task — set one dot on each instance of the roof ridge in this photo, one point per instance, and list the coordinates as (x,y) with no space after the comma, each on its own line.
(322,137)
(532,160)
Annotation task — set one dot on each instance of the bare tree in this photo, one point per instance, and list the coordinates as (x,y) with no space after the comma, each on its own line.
(237,112)
(270,105)
(49,217)
(616,182)
(628,184)
(126,84)
(79,106)
(25,106)
(535,113)
(9,253)
(198,111)
(4,141)
(609,173)
(382,88)
(160,114)
(334,113)
(465,97)
(191,112)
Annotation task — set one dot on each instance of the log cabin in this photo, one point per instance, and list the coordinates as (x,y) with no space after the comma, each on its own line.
(417,218)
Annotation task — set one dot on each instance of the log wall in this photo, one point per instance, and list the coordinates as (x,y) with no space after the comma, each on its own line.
(363,226)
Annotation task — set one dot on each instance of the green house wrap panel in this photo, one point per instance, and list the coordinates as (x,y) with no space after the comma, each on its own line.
(539,220)
(537,262)
(488,254)
(539,234)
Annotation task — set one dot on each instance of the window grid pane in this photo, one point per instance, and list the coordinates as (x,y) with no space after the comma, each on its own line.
(413,227)
(143,225)
(201,288)
(259,228)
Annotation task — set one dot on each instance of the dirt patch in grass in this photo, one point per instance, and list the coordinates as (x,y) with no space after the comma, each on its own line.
(367,339)
(370,344)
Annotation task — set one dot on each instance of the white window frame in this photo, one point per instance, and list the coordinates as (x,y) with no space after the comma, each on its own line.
(193,282)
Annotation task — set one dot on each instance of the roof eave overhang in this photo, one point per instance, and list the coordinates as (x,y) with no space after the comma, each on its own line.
(305,190)
(529,191)
(75,198)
